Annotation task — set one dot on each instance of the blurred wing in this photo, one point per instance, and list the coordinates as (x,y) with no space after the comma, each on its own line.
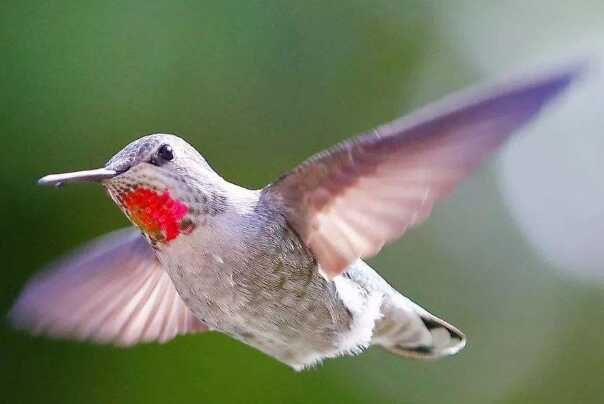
(112,291)
(351,199)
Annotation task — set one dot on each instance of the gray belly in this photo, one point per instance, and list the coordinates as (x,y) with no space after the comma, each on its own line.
(264,289)
(272,298)
(292,314)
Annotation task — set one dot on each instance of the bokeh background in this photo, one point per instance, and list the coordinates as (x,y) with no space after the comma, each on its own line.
(514,258)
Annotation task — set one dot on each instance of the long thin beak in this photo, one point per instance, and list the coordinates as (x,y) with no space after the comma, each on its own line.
(78,176)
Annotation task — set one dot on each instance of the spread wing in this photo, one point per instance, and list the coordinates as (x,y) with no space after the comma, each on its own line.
(348,201)
(111,291)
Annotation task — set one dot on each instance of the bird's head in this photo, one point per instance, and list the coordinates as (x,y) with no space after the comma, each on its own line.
(160,182)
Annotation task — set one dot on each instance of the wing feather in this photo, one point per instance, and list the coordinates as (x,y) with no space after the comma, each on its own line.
(113,291)
(350,200)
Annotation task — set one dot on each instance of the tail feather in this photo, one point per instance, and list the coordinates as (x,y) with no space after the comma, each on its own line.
(408,330)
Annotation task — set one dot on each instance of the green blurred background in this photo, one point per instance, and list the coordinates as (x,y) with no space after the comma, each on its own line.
(257,87)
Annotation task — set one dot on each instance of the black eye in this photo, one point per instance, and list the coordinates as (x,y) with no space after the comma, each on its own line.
(165,152)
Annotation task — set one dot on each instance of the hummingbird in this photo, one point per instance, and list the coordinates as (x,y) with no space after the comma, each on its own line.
(278,268)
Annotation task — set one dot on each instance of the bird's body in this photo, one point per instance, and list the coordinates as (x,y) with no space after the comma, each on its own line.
(245,272)
(278,268)
(270,297)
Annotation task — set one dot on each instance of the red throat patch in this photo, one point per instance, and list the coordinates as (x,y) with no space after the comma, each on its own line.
(159,215)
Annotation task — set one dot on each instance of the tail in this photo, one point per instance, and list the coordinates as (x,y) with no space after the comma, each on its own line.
(408,330)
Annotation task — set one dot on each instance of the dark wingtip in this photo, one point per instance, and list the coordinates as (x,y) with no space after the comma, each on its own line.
(527,95)
(512,102)
(559,79)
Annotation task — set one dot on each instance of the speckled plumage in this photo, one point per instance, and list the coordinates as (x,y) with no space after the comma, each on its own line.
(245,272)
(278,268)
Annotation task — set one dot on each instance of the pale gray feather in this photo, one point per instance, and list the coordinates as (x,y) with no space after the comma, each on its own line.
(111,291)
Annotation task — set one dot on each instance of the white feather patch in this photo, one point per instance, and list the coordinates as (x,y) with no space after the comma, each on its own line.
(365,309)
